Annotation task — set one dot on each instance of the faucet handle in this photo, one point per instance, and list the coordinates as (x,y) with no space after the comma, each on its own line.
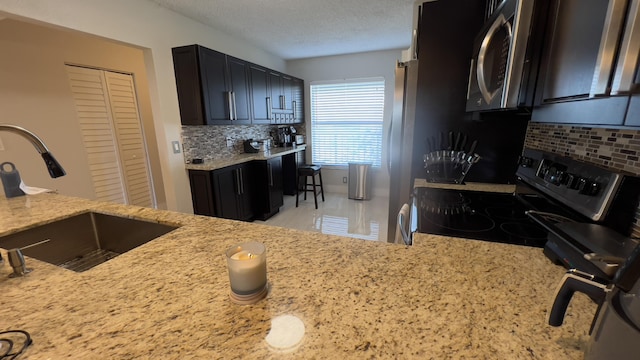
(16,260)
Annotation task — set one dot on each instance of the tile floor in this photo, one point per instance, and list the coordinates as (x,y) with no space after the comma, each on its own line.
(338,215)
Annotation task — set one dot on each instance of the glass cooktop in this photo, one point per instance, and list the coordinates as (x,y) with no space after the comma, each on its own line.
(478,215)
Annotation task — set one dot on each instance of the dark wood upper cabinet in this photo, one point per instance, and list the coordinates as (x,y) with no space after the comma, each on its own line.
(213,88)
(298,101)
(260,95)
(218,89)
(589,63)
(240,94)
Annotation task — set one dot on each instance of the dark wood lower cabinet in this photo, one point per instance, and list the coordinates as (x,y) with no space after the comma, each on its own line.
(245,191)
(290,164)
(224,193)
(201,182)
(267,194)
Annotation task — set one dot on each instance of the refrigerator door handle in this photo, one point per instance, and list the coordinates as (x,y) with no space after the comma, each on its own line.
(389,146)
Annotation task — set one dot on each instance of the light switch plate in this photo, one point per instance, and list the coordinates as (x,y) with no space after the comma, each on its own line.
(176,147)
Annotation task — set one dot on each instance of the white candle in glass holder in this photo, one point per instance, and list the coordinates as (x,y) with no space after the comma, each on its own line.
(247,264)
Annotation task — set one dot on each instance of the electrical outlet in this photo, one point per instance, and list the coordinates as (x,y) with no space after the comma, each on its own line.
(229,142)
(344,180)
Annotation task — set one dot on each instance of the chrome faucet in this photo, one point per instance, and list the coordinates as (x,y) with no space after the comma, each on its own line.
(55,170)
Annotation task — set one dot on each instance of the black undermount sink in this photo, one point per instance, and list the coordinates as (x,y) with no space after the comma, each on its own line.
(85,240)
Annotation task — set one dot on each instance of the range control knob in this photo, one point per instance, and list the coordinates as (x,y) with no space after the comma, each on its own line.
(525,161)
(572,181)
(588,187)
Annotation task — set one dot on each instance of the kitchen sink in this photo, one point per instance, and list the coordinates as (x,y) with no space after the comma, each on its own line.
(85,240)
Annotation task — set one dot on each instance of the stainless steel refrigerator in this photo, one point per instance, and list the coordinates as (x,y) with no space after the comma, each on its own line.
(400,156)
(431,101)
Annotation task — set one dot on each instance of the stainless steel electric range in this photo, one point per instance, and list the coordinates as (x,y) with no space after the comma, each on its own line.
(579,213)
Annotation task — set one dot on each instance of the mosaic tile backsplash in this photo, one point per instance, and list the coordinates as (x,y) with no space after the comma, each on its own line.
(209,142)
(618,149)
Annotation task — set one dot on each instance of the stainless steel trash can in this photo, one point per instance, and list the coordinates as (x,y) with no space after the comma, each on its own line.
(359,181)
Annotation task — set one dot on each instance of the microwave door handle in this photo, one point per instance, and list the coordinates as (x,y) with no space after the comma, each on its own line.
(482,84)
(623,80)
(608,44)
(470,78)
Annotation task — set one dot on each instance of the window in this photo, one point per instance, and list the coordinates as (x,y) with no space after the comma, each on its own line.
(346,121)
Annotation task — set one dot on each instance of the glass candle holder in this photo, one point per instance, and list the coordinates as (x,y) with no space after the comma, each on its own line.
(247,266)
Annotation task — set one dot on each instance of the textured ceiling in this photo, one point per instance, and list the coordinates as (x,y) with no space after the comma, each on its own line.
(294,29)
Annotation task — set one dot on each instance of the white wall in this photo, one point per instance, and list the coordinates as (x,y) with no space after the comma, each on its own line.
(156,31)
(35,93)
(361,65)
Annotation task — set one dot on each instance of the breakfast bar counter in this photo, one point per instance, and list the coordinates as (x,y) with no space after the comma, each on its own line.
(442,298)
(213,164)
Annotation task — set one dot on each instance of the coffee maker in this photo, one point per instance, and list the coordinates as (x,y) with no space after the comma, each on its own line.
(285,136)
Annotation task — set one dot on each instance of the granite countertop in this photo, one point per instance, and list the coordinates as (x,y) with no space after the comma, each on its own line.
(245,157)
(443,298)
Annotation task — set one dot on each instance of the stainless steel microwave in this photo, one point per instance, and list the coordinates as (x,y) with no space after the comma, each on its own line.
(499,65)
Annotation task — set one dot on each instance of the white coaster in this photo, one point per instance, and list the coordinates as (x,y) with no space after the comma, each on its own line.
(287,331)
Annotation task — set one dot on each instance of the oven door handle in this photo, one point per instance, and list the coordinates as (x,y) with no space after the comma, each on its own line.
(541,217)
(611,263)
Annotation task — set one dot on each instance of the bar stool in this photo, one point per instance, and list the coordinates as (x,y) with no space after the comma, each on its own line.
(306,171)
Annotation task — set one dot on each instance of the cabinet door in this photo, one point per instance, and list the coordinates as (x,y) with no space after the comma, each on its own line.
(226,190)
(289,174)
(573,47)
(274,169)
(260,95)
(216,96)
(633,114)
(277,91)
(239,81)
(244,199)
(577,61)
(202,192)
(298,101)
(287,93)
(185,66)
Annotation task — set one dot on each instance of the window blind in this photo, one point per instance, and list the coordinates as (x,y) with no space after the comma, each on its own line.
(346,121)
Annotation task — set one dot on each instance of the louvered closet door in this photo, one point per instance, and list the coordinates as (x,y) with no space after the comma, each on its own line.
(112,135)
(128,130)
(94,114)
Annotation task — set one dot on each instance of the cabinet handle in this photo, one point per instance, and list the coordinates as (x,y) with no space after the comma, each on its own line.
(238,185)
(295,110)
(482,84)
(269,109)
(608,43)
(235,110)
(241,181)
(270,169)
(623,80)
(230,103)
(283,102)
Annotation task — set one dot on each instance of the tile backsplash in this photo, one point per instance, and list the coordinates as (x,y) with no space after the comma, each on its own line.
(210,142)
(618,149)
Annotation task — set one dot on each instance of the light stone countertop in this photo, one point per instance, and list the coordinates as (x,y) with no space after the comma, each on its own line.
(443,298)
(245,157)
